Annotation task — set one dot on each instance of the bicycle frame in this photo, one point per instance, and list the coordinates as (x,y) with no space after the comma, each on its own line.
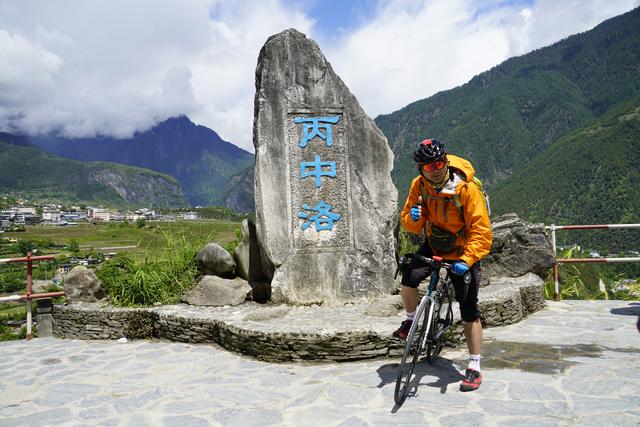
(430,295)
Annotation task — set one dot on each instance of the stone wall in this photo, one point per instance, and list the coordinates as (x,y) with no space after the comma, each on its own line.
(283,333)
(500,305)
(101,321)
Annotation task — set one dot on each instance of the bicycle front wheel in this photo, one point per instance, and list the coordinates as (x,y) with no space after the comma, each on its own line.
(442,320)
(411,351)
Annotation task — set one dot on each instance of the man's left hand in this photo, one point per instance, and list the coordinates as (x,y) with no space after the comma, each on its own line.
(459,268)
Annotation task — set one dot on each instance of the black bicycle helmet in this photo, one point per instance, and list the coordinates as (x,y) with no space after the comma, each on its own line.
(429,150)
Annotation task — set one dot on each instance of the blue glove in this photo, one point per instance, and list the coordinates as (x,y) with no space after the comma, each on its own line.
(415,213)
(459,268)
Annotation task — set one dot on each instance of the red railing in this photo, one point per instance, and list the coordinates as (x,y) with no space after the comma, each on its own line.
(553,228)
(29,296)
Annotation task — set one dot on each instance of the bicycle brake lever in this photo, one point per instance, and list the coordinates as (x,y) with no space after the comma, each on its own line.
(402,261)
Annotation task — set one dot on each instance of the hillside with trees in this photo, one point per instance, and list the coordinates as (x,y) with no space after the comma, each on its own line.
(30,172)
(504,117)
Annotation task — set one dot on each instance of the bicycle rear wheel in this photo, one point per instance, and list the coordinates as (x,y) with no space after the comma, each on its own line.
(411,352)
(442,320)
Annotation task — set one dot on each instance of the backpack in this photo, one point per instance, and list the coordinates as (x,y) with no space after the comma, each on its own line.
(444,241)
(456,197)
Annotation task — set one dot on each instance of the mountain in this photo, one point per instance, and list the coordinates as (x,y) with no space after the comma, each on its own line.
(503,118)
(18,140)
(588,177)
(195,155)
(28,171)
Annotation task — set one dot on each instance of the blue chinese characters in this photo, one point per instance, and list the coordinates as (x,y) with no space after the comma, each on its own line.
(317,171)
(312,128)
(323,219)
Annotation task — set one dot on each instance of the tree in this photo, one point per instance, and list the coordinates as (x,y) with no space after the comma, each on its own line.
(73,246)
(25,246)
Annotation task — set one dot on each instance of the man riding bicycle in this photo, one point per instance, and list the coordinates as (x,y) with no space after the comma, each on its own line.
(445,202)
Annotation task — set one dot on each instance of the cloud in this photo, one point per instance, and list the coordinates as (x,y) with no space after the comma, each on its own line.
(412,49)
(85,68)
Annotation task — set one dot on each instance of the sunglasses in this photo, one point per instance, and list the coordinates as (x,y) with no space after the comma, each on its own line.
(434,166)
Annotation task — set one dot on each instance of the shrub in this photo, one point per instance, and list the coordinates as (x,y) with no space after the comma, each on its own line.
(161,280)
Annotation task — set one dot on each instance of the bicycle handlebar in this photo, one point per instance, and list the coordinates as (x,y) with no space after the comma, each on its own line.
(434,261)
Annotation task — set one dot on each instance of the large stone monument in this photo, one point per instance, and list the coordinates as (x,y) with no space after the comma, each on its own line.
(325,202)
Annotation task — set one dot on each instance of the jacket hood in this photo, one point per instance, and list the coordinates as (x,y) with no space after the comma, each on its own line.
(462,165)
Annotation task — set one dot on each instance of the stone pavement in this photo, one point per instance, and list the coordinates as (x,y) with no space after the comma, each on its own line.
(573,363)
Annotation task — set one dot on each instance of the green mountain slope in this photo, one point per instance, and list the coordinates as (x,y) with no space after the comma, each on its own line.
(504,117)
(195,155)
(588,177)
(28,171)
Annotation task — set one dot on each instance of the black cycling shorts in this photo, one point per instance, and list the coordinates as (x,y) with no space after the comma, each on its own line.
(415,272)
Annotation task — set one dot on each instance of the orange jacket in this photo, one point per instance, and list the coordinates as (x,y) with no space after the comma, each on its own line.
(473,231)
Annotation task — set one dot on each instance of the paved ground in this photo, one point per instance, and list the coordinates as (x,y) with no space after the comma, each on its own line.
(573,363)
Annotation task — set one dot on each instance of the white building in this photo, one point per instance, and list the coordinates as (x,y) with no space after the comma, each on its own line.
(51,214)
(99,214)
(188,215)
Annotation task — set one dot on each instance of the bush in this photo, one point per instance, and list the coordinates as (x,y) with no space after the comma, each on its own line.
(162,280)
(7,335)
(408,243)
(581,281)
(232,245)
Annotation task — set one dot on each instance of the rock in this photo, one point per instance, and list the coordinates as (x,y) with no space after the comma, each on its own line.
(325,202)
(247,254)
(510,299)
(518,248)
(213,259)
(218,292)
(384,307)
(40,286)
(81,284)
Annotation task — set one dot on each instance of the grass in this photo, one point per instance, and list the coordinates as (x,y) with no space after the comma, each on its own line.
(159,269)
(159,279)
(149,240)
(582,282)
(13,310)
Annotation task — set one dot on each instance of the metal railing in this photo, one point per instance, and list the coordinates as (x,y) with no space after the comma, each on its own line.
(29,296)
(553,228)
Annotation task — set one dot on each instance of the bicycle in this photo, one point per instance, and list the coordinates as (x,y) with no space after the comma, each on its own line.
(431,322)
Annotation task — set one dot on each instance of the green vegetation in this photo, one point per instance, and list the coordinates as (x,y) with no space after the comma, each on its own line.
(504,117)
(161,279)
(28,172)
(7,335)
(554,134)
(212,212)
(408,243)
(13,311)
(588,177)
(140,242)
(158,269)
(584,281)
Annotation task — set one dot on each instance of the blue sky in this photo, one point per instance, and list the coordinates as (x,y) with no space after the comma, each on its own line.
(334,18)
(114,67)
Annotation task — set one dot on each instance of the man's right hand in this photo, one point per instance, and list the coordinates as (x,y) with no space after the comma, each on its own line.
(416,210)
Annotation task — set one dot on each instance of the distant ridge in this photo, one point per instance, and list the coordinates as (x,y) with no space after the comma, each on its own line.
(195,155)
(504,117)
(30,172)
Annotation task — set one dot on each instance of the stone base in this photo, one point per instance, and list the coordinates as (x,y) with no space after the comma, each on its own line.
(287,333)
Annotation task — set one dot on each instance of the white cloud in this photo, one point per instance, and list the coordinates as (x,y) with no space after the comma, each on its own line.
(113,67)
(413,49)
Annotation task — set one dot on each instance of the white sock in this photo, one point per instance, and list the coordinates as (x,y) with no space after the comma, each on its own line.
(474,362)
(411,316)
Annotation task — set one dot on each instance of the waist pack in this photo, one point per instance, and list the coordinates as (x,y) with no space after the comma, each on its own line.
(442,241)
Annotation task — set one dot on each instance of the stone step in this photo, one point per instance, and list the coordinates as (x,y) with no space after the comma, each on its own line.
(352,331)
